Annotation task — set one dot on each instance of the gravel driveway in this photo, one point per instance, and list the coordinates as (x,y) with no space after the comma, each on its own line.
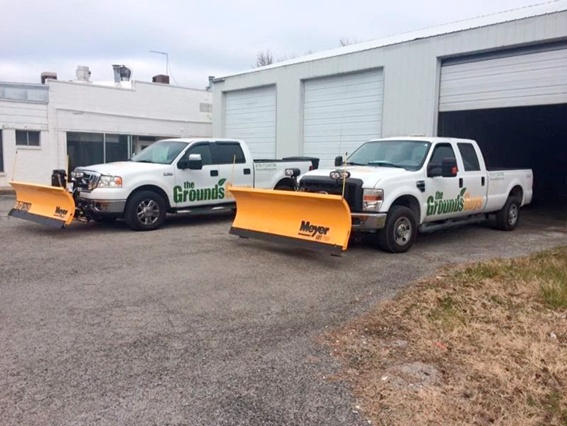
(188,325)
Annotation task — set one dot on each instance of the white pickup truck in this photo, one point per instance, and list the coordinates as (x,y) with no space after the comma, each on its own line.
(176,175)
(397,186)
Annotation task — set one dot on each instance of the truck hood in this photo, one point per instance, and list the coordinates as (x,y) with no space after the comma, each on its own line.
(121,168)
(370,176)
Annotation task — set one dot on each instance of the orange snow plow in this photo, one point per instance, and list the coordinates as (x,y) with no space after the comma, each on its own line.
(320,222)
(47,205)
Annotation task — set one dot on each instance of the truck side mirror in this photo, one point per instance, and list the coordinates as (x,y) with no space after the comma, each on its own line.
(449,167)
(194,162)
(338,160)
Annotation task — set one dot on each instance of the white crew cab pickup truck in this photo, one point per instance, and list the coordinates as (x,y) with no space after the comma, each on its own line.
(176,175)
(397,186)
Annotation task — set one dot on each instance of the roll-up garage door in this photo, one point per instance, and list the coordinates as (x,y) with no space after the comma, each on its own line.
(340,113)
(251,115)
(521,78)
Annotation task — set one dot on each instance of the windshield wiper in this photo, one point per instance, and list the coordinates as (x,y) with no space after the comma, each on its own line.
(143,161)
(352,163)
(383,164)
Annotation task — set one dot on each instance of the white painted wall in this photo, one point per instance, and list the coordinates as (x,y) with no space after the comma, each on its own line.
(411,76)
(23,162)
(145,109)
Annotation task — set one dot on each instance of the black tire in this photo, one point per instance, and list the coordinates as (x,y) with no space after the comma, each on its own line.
(400,231)
(284,187)
(145,211)
(508,217)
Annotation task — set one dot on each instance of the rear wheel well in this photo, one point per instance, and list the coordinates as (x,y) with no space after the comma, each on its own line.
(285,183)
(410,202)
(155,189)
(517,192)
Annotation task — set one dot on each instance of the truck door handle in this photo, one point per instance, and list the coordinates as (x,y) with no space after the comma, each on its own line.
(460,182)
(246,171)
(482,180)
(214,172)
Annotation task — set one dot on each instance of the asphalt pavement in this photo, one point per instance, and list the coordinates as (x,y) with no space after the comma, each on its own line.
(188,325)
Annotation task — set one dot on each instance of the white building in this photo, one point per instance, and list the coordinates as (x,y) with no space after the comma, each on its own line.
(500,79)
(46,126)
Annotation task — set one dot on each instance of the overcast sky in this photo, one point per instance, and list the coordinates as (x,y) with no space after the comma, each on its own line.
(201,38)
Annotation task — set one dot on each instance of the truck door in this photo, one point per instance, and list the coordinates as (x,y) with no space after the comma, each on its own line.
(232,165)
(442,194)
(197,187)
(472,178)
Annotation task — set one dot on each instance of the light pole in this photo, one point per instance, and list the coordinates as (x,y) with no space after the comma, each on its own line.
(166,60)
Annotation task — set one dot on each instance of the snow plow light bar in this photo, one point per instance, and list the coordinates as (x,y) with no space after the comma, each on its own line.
(320,222)
(47,205)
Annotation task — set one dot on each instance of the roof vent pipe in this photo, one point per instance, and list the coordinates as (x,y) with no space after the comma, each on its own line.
(83,73)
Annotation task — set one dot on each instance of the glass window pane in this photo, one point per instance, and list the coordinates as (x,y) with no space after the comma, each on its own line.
(470,159)
(21,137)
(116,148)
(84,149)
(33,138)
(226,151)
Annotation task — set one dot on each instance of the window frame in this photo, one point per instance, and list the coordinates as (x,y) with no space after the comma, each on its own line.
(27,133)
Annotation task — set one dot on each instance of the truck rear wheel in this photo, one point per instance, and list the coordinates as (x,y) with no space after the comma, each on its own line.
(400,231)
(145,211)
(507,218)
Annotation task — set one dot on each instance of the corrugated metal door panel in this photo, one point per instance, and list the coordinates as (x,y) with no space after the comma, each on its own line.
(536,78)
(251,115)
(340,113)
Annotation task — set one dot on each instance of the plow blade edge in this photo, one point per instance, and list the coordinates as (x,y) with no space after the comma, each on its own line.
(319,222)
(47,205)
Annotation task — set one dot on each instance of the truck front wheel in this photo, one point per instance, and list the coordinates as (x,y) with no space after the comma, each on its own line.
(507,218)
(145,211)
(400,231)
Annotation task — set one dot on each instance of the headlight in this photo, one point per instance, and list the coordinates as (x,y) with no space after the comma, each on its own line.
(339,174)
(372,199)
(106,181)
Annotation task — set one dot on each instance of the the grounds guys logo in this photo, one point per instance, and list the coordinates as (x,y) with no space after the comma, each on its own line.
(188,192)
(306,229)
(437,205)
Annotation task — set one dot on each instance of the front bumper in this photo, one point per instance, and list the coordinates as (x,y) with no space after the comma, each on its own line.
(102,206)
(368,222)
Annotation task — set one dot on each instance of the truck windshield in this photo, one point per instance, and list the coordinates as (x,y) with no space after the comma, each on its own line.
(161,152)
(407,154)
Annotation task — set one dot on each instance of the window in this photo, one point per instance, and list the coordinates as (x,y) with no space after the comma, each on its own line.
(441,151)
(1,154)
(470,159)
(27,138)
(205,151)
(225,153)
(205,107)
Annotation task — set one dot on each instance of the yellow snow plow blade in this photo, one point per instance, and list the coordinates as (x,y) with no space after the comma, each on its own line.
(319,222)
(48,205)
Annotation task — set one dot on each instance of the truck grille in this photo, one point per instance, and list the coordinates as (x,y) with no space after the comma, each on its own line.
(88,180)
(327,185)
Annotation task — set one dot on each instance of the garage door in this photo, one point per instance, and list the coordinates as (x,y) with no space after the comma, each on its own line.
(521,78)
(251,115)
(340,113)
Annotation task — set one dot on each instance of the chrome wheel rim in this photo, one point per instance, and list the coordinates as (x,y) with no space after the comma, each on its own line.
(513,214)
(402,231)
(148,212)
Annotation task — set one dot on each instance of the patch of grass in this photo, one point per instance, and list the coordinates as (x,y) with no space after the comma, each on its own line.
(493,334)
